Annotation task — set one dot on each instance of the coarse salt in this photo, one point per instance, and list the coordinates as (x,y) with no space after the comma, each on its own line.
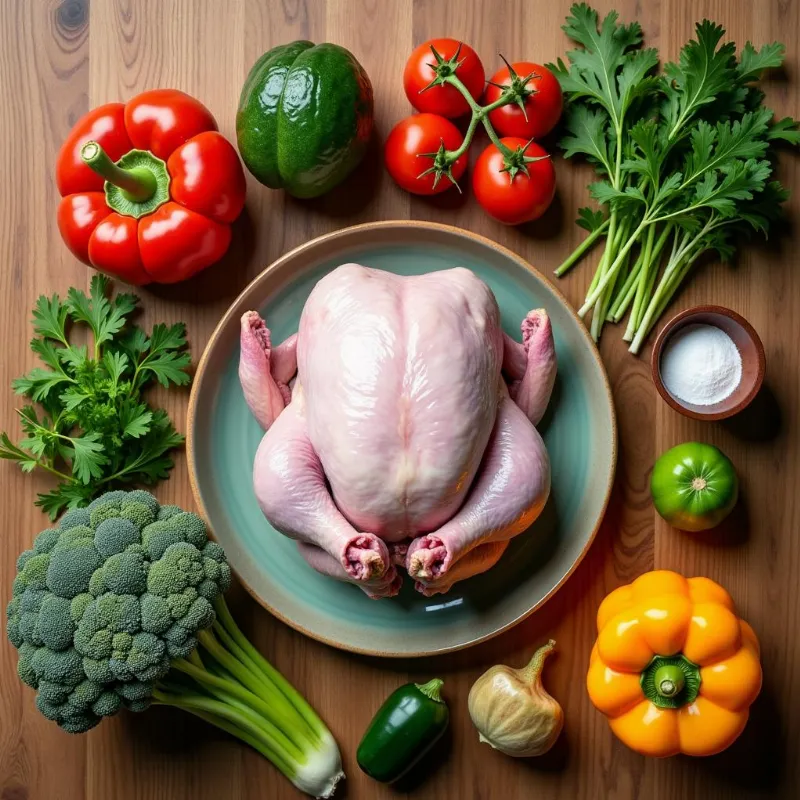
(701,365)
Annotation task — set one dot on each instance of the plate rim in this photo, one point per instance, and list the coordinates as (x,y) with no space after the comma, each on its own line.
(224,321)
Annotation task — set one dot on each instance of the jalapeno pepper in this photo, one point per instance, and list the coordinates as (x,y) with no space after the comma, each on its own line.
(410,721)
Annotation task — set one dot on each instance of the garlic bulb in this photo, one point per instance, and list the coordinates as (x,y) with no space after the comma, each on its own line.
(513,712)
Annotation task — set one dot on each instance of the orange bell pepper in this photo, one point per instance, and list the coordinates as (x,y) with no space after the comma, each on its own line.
(674,668)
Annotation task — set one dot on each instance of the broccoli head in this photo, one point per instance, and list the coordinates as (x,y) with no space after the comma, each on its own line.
(104,602)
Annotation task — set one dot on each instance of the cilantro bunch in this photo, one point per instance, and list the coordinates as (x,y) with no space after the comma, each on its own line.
(95,431)
(685,159)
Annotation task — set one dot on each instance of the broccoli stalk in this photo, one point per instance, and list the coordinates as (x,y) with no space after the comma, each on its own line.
(122,606)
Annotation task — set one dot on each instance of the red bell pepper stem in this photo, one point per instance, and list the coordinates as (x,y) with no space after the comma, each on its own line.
(137,184)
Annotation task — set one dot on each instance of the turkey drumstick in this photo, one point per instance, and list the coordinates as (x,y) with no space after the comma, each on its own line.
(291,491)
(508,494)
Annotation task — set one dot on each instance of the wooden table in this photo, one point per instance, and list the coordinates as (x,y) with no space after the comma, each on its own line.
(57,60)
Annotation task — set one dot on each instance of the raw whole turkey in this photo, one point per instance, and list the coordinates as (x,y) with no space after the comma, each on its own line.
(400,427)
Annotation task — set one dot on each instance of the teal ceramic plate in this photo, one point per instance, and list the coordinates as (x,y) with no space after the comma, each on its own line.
(579,431)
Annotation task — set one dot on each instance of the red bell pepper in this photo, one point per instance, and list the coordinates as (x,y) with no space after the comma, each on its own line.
(149,188)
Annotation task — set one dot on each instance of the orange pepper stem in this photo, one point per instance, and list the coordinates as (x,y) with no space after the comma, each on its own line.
(669,680)
(530,673)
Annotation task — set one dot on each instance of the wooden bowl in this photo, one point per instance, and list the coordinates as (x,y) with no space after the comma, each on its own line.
(747,342)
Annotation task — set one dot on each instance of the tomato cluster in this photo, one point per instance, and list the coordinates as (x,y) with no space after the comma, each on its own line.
(513,178)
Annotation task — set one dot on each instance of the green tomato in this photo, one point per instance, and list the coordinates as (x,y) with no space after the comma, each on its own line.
(694,486)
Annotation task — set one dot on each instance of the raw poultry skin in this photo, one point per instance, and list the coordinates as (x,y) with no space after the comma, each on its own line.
(400,427)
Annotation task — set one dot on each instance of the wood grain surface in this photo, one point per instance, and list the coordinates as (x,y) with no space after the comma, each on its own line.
(59,59)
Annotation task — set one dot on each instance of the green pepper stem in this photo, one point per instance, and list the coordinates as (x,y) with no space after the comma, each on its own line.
(137,184)
(530,673)
(432,689)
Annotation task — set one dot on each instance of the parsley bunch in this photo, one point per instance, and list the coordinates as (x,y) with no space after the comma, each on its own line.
(95,430)
(685,159)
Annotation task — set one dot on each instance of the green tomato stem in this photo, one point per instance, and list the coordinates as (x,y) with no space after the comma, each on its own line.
(454,155)
(137,184)
(479,114)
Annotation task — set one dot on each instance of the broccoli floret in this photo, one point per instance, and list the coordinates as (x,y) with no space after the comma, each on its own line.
(73,518)
(125,573)
(73,561)
(110,500)
(102,604)
(144,498)
(140,514)
(48,539)
(55,623)
(158,536)
(166,512)
(113,535)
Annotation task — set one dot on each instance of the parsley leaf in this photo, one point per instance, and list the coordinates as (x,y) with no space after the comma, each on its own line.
(164,358)
(684,158)
(97,430)
(135,418)
(64,496)
(88,457)
(590,219)
(49,318)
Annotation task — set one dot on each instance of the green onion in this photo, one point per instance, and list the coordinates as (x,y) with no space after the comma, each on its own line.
(228,683)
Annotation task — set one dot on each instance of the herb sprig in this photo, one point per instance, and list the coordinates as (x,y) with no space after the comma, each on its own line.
(685,158)
(95,430)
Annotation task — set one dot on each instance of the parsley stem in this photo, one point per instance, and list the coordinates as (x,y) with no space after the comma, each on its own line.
(53,471)
(686,250)
(601,267)
(624,296)
(582,248)
(661,299)
(647,260)
(601,305)
(612,270)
